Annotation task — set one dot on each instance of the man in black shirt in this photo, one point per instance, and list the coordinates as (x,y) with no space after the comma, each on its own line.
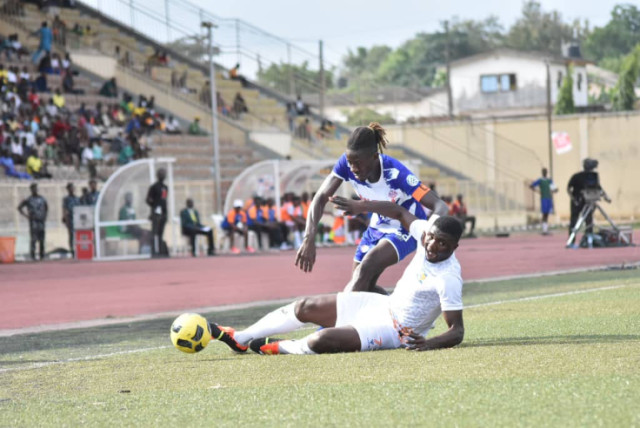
(584,180)
(37,210)
(157,201)
(68,203)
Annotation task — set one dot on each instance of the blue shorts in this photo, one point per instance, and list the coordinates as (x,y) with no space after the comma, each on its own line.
(404,244)
(546,205)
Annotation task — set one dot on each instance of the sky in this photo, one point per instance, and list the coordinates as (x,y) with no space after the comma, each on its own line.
(347,24)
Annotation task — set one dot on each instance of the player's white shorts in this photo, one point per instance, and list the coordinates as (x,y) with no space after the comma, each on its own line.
(369,314)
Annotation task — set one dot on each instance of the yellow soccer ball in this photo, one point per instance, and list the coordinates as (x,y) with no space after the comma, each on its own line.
(190,333)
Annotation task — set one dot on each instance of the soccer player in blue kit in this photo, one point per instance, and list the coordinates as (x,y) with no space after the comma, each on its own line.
(374,177)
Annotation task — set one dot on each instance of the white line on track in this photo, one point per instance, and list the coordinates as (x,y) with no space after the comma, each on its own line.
(136,351)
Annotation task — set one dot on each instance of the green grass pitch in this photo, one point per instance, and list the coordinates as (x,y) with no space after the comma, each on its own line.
(552,351)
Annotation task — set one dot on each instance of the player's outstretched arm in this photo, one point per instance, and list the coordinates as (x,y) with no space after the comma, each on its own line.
(306,255)
(385,208)
(452,337)
(434,203)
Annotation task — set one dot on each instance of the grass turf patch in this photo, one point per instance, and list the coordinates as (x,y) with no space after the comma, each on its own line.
(563,360)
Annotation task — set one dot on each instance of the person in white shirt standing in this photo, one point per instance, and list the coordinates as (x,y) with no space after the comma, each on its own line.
(360,321)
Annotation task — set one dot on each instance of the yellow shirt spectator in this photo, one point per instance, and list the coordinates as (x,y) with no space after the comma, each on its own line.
(58,100)
(34,165)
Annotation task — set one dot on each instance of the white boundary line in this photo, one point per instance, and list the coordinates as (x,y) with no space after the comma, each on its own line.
(479,305)
(159,315)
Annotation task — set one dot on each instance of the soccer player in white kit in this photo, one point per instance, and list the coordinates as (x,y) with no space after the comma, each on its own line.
(376,177)
(359,321)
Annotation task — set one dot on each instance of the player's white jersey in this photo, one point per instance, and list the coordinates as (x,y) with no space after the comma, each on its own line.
(396,184)
(425,289)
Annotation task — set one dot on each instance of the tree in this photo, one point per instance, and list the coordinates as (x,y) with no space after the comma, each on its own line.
(277,76)
(564,104)
(608,44)
(364,116)
(624,95)
(540,31)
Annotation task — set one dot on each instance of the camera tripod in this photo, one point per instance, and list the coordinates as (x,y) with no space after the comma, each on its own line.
(591,198)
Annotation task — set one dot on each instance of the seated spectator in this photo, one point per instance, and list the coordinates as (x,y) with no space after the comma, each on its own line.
(109,88)
(9,167)
(40,84)
(77,30)
(191,227)
(68,84)
(236,222)
(36,168)
(17,150)
(262,219)
(173,126)
(222,106)
(127,212)
(45,65)
(87,155)
(97,152)
(58,99)
(459,211)
(239,106)
(126,154)
(194,127)
(16,46)
(66,62)
(59,29)
(56,65)
(301,107)
(234,72)
(24,74)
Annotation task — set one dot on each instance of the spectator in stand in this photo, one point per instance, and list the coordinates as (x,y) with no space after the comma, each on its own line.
(239,106)
(191,227)
(17,151)
(236,222)
(205,94)
(40,84)
(37,210)
(222,106)
(44,66)
(35,167)
(97,152)
(69,202)
(56,65)
(59,30)
(58,99)
(16,46)
(109,88)
(46,37)
(9,167)
(194,127)
(173,126)
(301,108)
(126,154)
(68,84)
(459,211)
(234,72)
(66,62)
(291,116)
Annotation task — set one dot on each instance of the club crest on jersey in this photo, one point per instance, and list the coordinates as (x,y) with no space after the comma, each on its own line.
(412,180)
(392,195)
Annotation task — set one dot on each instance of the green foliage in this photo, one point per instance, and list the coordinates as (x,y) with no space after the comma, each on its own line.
(565,104)
(624,95)
(278,76)
(364,116)
(540,31)
(610,43)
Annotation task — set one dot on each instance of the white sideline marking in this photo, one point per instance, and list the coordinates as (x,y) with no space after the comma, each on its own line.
(479,305)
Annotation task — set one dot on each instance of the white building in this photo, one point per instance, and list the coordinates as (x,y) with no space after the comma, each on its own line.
(507,82)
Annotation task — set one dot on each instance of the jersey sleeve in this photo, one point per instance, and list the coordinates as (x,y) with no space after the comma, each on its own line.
(450,292)
(535,183)
(341,168)
(417,228)
(407,181)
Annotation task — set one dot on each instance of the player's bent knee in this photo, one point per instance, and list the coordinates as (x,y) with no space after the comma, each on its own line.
(331,341)
(305,308)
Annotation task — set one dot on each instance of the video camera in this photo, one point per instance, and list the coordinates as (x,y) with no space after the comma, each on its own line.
(591,195)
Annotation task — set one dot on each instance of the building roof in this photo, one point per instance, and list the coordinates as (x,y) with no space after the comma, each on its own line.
(540,56)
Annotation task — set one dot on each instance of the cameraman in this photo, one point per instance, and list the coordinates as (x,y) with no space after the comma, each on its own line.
(584,180)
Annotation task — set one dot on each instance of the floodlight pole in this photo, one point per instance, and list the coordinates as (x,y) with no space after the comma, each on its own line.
(214,116)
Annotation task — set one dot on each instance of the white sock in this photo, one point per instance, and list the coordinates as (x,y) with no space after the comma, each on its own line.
(545,227)
(295,347)
(282,320)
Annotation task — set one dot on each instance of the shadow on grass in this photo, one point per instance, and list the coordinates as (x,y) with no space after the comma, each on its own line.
(553,340)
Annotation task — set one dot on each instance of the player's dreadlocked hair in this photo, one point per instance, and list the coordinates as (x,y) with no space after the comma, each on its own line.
(372,137)
(449,225)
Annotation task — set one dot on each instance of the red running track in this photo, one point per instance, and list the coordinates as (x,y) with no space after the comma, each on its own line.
(34,294)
